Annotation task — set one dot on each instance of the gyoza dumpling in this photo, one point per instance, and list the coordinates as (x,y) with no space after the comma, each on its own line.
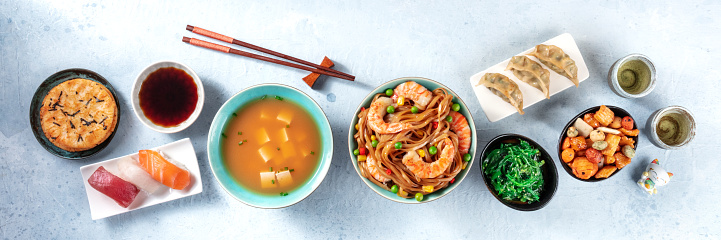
(503,87)
(530,72)
(558,61)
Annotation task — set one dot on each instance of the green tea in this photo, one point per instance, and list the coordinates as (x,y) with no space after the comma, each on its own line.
(634,76)
(672,129)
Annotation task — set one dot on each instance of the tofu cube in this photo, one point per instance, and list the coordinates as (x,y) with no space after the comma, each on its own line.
(288,150)
(285,117)
(284,178)
(283,134)
(267,180)
(264,115)
(267,152)
(263,136)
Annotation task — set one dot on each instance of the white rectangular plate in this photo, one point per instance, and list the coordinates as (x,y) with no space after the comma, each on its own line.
(102,206)
(497,109)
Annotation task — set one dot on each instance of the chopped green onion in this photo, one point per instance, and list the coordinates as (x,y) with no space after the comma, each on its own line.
(456,107)
(240,133)
(272,181)
(287,126)
(414,109)
(263,97)
(235,115)
(245,140)
(279,98)
(240,143)
(278,149)
(286,168)
(271,169)
(223,134)
(312,153)
(291,170)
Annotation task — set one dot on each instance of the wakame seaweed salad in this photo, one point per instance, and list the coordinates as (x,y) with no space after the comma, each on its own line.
(514,170)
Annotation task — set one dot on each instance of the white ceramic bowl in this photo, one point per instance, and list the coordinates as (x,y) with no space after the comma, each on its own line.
(135,97)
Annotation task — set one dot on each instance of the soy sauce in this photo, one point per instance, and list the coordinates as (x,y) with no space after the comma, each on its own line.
(168,96)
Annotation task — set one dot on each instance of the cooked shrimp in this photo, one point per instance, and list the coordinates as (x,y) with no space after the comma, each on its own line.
(414,91)
(375,117)
(459,125)
(423,169)
(372,167)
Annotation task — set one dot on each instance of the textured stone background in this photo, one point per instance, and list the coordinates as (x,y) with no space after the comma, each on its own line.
(43,197)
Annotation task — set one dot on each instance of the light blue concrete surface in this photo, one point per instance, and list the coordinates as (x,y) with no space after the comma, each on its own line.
(42,196)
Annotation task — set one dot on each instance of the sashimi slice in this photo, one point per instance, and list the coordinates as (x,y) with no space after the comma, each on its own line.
(162,170)
(131,171)
(123,192)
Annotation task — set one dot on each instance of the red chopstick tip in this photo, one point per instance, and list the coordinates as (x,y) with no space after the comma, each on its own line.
(186,39)
(189,28)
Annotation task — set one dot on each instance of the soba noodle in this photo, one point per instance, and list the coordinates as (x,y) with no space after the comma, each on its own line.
(422,135)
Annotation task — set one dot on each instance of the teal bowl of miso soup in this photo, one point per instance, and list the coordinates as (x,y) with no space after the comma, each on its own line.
(632,76)
(270,146)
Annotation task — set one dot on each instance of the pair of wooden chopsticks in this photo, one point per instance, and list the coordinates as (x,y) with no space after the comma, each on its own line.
(315,67)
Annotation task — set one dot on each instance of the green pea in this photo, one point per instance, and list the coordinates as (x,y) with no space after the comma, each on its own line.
(356,152)
(394,189)
(419,197)
(389,92)
(433,150)
(467,157)
(414,109)
(449,118)
(398,145)
(390,109)
(374,143)
(456,107)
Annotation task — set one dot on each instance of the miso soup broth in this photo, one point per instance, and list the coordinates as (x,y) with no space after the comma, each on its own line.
(271,146)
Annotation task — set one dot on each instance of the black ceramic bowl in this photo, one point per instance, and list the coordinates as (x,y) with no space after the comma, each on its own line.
(43,90)
(550,175)
(617,111)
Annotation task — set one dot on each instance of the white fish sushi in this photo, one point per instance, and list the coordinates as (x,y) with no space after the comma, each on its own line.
(131,171)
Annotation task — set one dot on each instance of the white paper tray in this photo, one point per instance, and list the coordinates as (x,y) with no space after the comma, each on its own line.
(497,109)
(102,206)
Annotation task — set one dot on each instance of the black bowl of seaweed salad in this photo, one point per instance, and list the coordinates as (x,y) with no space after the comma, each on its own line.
(519,172)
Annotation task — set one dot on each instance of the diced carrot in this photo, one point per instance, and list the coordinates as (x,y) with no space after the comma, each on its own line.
(578,143)
(621,160)
(588,118)
(626,132)
(612,141)
(604,115)
(627,123)
(626,141)
(568,154)
(566,143)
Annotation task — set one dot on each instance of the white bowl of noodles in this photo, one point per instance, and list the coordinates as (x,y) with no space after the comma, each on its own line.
(431,174)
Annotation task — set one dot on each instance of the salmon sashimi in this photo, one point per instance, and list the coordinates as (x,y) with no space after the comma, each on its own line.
(164,171)
(123,192)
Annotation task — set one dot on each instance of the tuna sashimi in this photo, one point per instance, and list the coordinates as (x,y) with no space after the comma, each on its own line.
(123,192)
(171,174)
